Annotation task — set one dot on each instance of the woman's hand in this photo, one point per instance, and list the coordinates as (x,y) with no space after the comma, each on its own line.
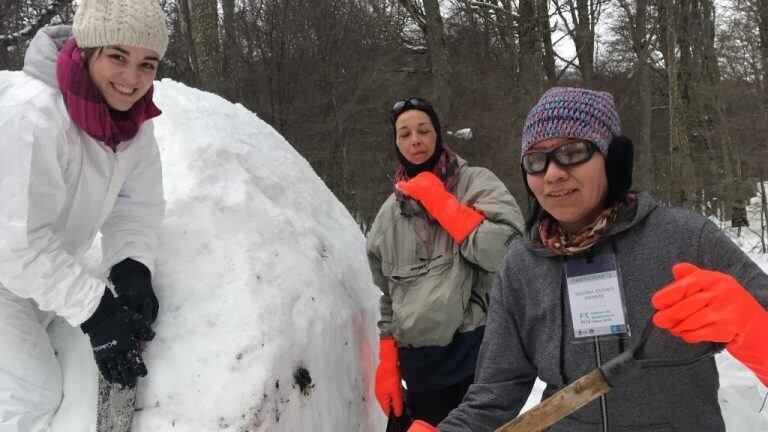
(422,426)
(455,218)
(702,305)
(388,389)
(116,332)
(133,285)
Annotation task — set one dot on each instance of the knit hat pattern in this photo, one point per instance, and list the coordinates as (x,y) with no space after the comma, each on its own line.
(564,112)
(139,23)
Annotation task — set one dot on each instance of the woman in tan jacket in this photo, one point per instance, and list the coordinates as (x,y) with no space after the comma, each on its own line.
(433,249)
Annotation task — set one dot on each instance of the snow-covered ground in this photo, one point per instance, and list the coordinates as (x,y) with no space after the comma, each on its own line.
(268,309)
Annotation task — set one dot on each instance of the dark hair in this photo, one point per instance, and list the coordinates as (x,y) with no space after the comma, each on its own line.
(618,171)
(87,53)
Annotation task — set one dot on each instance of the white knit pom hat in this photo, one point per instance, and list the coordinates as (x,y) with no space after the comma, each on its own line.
(139,23)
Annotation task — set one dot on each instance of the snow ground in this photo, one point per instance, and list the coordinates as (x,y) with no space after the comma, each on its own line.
(262,273)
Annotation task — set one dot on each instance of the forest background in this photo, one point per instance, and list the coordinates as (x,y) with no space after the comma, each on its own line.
(690,80)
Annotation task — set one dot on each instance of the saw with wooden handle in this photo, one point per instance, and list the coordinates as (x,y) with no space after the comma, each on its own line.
(600,381)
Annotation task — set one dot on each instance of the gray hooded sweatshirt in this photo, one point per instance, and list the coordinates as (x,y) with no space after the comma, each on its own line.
(529,331)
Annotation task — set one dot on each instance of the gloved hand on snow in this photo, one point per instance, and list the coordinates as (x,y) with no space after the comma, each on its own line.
(115,332)
(422,426)
(388,389)
(133,284)
(704,305)
(457,219)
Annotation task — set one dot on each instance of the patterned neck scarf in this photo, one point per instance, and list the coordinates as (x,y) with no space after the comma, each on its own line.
(556,239)
(446,169)
(87,107)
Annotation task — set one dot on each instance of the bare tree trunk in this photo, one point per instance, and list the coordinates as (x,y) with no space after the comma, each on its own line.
(229,58)
(185,23)
(5,58)
(682,179)
(529,84)
(545,30)
(584,15)
(683,21)
(763,30)
(205,35)
(439,58)
(724,164)
(763,214)
(646,155)
(698,90)
(510,39)
(585,37)
(638,21)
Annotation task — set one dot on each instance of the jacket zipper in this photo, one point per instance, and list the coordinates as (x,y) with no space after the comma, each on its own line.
(603,403)
(110,186)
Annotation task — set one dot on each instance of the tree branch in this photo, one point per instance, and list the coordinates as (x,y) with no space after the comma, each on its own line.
(397,34)
(30,30)
(418,16)
(559,10)
(473,4)
(568,64)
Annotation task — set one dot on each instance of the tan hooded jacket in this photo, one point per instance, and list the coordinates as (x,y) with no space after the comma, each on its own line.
(433,288)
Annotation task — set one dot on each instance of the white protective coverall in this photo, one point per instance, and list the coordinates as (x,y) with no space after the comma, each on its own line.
(58,187)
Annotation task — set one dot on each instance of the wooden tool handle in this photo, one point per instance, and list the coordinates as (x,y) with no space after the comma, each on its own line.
(569,399)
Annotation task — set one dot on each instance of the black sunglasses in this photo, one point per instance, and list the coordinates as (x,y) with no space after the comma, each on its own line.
(566,154)
(414,102)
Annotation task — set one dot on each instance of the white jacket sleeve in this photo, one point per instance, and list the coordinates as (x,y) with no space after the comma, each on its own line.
(130,230)
(33,260)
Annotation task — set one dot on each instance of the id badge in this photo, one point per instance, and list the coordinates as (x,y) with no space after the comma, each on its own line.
(595,296)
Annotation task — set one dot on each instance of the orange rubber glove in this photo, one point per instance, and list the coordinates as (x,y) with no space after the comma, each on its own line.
(388,391)
(422,426)
(703,305)
(457,219)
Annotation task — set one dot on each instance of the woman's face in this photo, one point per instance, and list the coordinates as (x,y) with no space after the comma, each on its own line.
(416,137)
(573,195)
(123,74)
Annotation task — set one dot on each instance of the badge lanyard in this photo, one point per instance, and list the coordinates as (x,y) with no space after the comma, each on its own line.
(595,296)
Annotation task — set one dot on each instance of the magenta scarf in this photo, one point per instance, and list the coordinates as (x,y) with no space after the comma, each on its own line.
(87,107)
(446,169)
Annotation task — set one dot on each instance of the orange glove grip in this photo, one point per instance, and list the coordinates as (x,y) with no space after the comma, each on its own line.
(388,391)
(455,218)
(704,305)
(422,426)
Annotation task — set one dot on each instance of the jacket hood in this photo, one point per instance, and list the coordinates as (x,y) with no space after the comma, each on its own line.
(40,59)
(638,211)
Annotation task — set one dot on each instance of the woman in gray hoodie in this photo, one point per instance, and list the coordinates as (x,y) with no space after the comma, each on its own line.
(598,263)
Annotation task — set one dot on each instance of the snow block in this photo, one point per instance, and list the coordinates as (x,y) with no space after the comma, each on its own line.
(268,311)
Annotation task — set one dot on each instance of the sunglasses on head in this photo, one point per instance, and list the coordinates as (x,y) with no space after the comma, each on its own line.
(566,154)
(405,104)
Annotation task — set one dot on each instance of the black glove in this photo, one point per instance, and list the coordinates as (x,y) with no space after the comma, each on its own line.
(133,284)
(115,332)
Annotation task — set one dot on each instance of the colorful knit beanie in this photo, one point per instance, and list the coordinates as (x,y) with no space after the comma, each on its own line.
(564,112)
(139,23)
